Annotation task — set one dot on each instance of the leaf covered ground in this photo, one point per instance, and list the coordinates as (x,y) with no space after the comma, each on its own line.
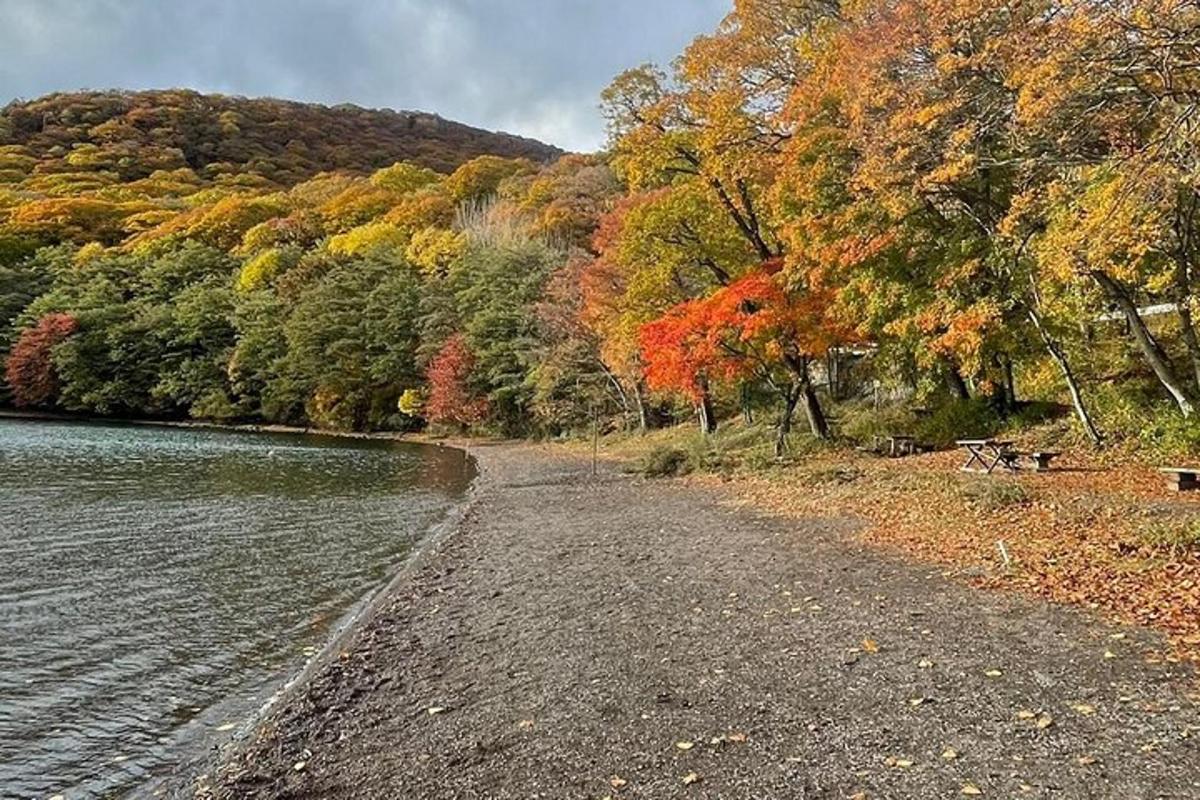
(1106,536)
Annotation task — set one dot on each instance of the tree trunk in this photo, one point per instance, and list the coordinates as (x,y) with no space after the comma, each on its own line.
(747,411)
(1184,272)
(1010,384)
(704,410)
(812,405)
(1060,358)
(838,378)
(1189,338)
(622,395)
(812,409)
(1150,348)
(639,399)
(955,382)
(791,396)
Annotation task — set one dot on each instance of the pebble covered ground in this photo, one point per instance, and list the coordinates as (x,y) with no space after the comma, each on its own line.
(580,637)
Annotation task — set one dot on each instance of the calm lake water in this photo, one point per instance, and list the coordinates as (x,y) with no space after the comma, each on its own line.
(157,583)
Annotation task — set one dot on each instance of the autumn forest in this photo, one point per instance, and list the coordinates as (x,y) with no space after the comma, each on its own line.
(820,214)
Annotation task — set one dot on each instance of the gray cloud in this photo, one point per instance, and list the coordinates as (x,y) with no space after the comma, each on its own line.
(533,67)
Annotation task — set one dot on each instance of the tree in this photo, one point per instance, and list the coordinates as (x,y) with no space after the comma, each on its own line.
(29,369)
(753,328)
(451,400)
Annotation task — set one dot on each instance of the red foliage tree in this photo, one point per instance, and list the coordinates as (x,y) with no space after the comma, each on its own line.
(450,397)
(753,328)
(29,369)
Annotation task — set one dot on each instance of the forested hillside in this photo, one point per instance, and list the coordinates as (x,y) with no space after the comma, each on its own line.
(820,209)
(93,139)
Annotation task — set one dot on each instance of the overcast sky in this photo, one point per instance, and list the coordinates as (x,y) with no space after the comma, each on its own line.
(533,67)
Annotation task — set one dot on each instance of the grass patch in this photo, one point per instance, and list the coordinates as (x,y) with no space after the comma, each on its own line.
(825,476)
(1178,535)
(994,494)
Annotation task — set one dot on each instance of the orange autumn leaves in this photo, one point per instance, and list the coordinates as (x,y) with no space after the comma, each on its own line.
(752,324)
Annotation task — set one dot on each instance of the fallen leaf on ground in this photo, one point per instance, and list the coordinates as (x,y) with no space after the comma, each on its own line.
(1086,760)
(616,781)
(685,745)
(971,789)
(736,737)
(1085,709)
(993,673)
(870,645)
(1045,721)
(525,723)
(950,754)
(1025,714)
(690,778)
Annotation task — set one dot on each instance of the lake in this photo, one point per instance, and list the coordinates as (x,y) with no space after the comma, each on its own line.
(157,584)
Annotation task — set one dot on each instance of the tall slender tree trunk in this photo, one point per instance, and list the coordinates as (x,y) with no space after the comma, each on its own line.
(1059,356)
(622,395)
(1185,229)
(1190,339)
(747,411)
(791,396)
(639,399)
(832,369)
(1146,342)
(1010,383)
(704,411)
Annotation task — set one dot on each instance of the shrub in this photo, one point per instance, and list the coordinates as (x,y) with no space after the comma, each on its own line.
(1141,419)
(959,419)
(862,422)
(664,461)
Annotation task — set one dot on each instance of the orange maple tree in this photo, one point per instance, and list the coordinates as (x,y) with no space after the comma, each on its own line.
(755,328)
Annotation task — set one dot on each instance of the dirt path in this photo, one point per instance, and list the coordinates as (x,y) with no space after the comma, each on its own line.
(574,632)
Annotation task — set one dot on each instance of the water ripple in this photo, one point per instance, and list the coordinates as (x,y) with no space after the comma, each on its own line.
(147,575)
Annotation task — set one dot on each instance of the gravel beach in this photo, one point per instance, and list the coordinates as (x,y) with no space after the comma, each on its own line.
(588,637)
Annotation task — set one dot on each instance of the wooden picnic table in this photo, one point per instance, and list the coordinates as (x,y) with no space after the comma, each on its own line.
(988,454)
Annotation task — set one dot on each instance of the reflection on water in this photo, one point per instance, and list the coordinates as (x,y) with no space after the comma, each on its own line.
(147,574)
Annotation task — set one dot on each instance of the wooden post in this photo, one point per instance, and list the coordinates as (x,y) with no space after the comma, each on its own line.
(595,439)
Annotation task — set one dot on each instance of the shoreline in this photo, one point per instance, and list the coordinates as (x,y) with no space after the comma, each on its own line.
(182,785)
(465,444)
(569,635)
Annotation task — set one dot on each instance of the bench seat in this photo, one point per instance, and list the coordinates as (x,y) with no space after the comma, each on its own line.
(1042,458)
(1182,479)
